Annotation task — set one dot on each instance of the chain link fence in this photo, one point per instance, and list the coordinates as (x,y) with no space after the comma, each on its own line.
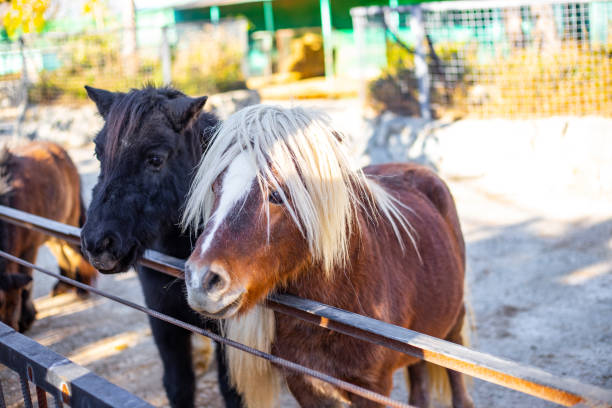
(488,58)
(196,57)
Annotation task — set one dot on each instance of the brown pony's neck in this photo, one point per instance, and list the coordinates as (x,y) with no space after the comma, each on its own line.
(350,283)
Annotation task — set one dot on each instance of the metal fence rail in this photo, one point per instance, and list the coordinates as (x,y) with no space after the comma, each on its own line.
(491,58)
(507,373)
(66,382)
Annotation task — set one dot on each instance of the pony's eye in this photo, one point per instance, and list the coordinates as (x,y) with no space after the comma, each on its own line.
(275,198)
(155,161)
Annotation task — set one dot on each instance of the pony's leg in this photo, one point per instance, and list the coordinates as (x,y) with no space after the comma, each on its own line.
(79,269)
(230,395)
(419,395)
(384,387)
(307,396)
(173,343)
(461,398)
(28,311)
(166,295)
(63,262)
(72,265)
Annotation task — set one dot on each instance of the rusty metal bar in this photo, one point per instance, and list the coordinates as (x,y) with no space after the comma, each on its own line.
(58,400)
(25,390)
(500,371)
(57,375)
(2,400)
(41,397)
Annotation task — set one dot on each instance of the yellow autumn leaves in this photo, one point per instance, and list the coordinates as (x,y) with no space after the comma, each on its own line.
(27,15)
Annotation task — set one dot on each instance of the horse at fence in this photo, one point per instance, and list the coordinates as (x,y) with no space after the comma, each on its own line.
(283,210)
(150,144)
(38,178)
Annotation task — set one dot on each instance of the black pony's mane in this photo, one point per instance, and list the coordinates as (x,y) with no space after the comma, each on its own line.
(128,112)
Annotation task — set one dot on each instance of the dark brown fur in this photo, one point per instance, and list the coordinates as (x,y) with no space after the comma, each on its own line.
(41,179)
(380,281)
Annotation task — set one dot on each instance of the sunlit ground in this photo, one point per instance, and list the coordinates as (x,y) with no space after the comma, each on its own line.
(540,275)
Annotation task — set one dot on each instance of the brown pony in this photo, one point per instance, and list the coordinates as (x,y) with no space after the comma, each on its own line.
(282,210)
(37,178)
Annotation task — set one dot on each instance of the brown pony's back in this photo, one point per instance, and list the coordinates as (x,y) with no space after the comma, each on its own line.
(40,178)
(421,290)
(428,183)
(411,178)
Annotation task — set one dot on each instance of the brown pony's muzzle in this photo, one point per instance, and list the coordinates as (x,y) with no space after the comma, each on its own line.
(210,290)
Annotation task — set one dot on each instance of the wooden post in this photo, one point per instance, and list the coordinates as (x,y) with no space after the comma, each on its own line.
(23,88)
(421,70)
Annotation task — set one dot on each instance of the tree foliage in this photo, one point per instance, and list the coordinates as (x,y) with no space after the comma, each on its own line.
(24,15)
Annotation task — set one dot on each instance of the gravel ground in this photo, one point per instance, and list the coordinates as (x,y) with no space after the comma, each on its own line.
(540,282)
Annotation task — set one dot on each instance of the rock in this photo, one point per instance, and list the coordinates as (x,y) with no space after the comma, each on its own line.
(397,138)
(69,126)
(224,104)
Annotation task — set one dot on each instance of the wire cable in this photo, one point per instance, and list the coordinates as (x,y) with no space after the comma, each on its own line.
(352,388)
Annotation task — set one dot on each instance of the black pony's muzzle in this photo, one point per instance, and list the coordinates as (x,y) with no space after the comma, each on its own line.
(107,252)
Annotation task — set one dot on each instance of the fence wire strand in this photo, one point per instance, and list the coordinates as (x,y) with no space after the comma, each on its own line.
(523,59)
(353,389)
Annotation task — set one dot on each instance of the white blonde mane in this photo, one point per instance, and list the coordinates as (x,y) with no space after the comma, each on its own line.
(297,153)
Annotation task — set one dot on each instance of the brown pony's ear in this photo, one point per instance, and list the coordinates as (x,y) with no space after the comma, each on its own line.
(103,99)
(14,281)
(184,108)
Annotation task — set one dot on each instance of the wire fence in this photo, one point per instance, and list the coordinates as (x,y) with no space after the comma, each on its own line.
(507,373)
(197,58)
(489,58)
(47,375)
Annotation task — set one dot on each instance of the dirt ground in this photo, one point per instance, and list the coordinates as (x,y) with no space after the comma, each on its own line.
(540,283)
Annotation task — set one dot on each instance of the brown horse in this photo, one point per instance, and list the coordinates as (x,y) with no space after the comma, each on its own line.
(38,178)
(283,210)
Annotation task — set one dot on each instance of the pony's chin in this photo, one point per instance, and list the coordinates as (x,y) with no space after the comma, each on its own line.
(225,312)
(125,262)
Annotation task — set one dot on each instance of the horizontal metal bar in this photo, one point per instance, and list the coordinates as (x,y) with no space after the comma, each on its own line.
(56,374)
(441,6)
(352,388)
(500,371)
(68,233)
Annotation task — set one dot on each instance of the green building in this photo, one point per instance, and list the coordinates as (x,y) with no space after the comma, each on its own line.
(330,17)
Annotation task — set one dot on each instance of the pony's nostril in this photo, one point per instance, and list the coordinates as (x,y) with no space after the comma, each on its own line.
(212,282)
(106,243)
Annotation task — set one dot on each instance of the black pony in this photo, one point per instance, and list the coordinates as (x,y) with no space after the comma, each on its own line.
(151,142)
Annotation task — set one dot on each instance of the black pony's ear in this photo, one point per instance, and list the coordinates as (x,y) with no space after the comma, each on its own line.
(184,108)
(103,99)
(14,281)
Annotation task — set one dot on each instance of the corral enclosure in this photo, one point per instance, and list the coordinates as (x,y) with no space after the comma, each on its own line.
(489,59)
(520,95)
